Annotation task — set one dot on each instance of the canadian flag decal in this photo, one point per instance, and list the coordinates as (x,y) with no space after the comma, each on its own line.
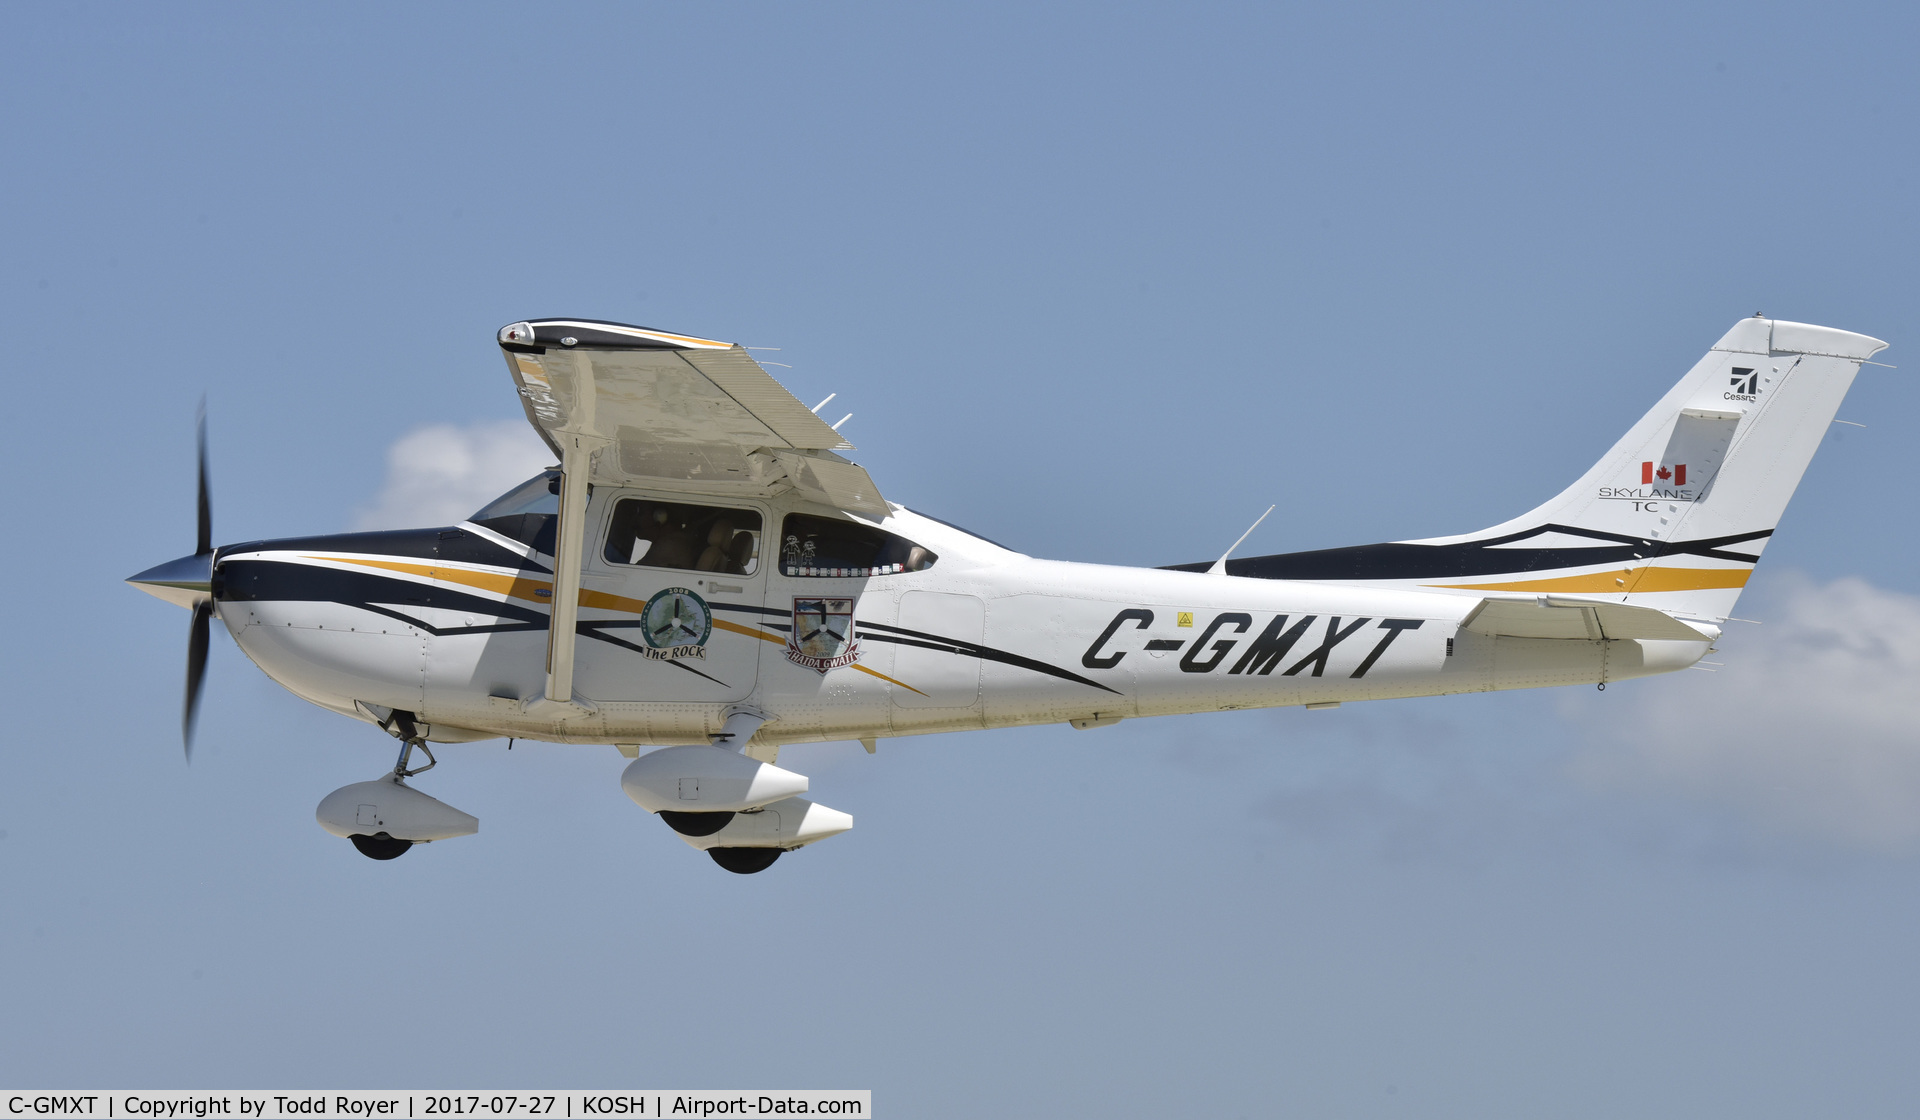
(1677,472)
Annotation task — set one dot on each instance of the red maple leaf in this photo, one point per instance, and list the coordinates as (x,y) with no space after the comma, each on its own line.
(1663,473)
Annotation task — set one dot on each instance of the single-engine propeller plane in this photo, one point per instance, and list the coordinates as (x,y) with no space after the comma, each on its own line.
(704,577)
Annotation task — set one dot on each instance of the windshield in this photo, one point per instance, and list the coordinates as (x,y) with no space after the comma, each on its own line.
(527,513)
(539,494)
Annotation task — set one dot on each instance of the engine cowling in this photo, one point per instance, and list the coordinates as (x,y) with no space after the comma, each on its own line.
(392,806)
(706,779)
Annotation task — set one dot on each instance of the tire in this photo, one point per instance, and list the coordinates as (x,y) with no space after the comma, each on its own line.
(695,824)
(380,845)
(744,861)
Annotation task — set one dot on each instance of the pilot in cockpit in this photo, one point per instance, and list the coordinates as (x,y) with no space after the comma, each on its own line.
(673,545)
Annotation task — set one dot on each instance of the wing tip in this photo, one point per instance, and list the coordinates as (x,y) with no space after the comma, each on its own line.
(597,334)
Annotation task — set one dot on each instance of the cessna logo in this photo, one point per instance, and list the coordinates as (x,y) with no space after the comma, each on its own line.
(1746,384)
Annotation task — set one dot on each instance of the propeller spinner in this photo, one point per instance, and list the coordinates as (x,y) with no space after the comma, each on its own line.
(188,581)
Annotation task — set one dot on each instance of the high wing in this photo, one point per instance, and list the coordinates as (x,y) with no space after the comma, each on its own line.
(657,407)
(625,405)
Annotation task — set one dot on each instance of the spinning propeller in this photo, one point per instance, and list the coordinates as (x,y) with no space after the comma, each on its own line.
(188,581)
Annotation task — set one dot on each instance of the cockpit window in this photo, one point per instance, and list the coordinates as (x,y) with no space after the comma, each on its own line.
(695,538)
(539,494)
(527,513)
(828,546)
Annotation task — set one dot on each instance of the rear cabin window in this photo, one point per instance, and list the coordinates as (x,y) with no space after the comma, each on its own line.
(827,546)
(694,538)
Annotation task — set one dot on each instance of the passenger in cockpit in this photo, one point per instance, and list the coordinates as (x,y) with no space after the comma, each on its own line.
(719,542)
(672,544)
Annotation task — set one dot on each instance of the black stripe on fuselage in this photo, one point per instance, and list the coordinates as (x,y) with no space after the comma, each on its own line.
(1399,560)
(282,580)
(285,581)
(445,543)
(242,581)
(594,629)
(900,635)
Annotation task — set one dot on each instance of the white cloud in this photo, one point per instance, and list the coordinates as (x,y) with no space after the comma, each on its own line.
(1812,726)
(441,473)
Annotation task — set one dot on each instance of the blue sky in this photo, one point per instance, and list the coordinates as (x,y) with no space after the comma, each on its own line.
(1098,281)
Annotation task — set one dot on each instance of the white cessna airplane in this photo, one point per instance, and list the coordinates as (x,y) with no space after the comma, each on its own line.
(704,574)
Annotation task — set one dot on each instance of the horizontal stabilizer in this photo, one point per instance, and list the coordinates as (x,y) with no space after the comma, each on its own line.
(1547,616)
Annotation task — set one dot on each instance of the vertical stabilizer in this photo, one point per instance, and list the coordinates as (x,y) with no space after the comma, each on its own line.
(1694,490)
(1675,516)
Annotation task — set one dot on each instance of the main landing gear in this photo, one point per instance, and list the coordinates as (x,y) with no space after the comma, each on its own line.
(740,861)
(729,800)
(386,817)
(380,845)
(744,861)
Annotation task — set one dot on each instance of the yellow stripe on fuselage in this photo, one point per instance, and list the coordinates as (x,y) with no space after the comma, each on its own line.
(514,587)
(1623,581)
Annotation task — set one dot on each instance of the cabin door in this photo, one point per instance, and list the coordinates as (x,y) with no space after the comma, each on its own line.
(671,590)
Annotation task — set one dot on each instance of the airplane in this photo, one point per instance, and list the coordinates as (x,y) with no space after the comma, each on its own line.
(705,578)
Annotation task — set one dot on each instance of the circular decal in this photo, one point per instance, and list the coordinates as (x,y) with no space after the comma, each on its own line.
(676,623)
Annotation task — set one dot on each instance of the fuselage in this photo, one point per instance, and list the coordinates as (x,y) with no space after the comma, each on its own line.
(905,626)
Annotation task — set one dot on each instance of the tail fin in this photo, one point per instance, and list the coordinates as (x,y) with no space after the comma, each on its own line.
(1674,516)
(1692,492)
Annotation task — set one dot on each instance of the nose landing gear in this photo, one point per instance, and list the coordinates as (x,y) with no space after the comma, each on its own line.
(385,818)
(383,845)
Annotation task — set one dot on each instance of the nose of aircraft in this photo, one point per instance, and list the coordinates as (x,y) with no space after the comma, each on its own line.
(187,581)
(183,582)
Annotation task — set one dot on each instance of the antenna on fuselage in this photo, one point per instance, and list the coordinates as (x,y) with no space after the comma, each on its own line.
(816,408)
(1220,566)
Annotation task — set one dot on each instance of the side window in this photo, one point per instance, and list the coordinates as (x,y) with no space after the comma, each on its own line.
(828,546)
(693,538)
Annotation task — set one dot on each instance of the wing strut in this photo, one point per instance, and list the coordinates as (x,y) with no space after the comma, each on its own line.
(572,533)
(576,467)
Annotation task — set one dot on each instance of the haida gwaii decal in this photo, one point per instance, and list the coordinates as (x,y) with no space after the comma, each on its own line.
(822,637)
